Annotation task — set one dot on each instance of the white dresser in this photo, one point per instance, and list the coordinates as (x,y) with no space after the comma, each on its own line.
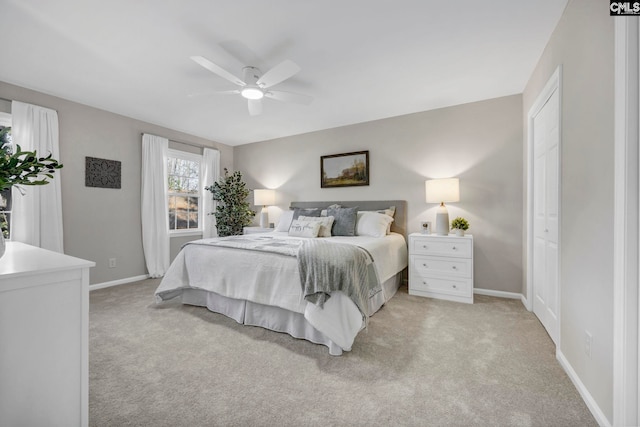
(441,266)
(44,338)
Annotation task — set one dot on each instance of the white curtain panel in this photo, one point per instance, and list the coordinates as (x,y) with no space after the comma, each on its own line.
(210,174)
(155,221)
(37,215)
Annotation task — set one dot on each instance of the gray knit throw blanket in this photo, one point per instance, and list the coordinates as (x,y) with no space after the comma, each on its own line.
(328,266)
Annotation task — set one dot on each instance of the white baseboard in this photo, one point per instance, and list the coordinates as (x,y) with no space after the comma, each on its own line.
(117,282)
(499,294)
(597,413)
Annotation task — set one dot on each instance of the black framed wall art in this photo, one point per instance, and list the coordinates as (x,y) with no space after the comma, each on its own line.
(102,173)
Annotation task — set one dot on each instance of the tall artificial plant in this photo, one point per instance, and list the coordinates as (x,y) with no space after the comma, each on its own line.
(233,212)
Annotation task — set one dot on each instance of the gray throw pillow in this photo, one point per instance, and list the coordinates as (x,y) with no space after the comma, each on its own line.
(305,212)
(344,223)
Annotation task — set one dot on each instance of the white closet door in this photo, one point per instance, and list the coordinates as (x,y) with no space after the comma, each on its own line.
(546,152)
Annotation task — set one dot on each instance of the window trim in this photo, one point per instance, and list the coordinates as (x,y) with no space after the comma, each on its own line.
(6,121)
(185,155)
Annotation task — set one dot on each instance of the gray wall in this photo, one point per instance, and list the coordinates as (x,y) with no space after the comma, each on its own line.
(481,143)
(583,43)
(103,223)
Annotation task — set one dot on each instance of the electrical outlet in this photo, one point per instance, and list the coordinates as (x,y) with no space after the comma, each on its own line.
(588,343)
(112,263)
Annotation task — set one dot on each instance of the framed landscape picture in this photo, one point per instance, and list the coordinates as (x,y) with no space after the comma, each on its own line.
(344,170)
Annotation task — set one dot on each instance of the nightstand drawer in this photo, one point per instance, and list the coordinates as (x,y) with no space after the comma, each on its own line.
(425,265)
(436,284)
(455,247)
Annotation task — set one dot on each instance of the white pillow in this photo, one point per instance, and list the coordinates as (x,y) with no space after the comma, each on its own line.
(326,222)
(304,228)
(372,224)
(285,221)
(390,212)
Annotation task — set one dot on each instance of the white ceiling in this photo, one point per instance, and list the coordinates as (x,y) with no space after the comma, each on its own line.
(361,60)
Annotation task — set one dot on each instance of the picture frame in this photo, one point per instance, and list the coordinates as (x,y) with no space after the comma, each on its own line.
(344,170)
(426,227)
(102,173)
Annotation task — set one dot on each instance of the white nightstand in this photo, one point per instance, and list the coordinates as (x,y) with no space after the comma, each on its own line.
(441,266)
(253,230)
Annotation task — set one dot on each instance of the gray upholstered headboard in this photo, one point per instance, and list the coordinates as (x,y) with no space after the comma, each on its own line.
(399,225)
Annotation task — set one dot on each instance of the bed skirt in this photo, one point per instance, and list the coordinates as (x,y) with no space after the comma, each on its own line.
(279,319)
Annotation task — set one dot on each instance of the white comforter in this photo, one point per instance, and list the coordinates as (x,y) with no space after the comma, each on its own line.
(273,279)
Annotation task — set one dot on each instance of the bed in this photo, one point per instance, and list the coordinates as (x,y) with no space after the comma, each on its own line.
(256,279)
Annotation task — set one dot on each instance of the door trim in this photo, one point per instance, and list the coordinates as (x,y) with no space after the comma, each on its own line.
(553,85)
(626,298)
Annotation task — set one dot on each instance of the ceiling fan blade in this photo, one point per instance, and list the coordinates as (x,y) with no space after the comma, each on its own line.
(295,98)
(214,92)
(255,107)
(217,70)
(279,73)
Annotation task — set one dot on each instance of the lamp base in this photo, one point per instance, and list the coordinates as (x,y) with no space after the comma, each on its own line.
(264,217)
(442,221)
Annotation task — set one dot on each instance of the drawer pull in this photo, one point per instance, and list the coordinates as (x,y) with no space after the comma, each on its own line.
(455,287)
(454,267)
(424,283)
(425,265)
(424,246)
(454,248)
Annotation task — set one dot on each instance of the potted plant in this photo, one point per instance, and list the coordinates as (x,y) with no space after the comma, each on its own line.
(232,212)
(460,225)
(22,168)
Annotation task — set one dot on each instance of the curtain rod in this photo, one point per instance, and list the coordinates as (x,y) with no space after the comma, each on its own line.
(192,144)
(10,101)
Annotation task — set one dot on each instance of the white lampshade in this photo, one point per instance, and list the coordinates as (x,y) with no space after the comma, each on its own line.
(442,190)
(263,197)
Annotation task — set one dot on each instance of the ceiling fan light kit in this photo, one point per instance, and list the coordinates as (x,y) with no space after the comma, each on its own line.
(252,93)
(252,90)
(253,85)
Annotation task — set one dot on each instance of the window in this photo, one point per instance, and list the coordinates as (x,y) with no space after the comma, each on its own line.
(5,196)
(185,210)
(5,214)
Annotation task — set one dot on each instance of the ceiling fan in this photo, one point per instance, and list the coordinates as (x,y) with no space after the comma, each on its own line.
(254,86)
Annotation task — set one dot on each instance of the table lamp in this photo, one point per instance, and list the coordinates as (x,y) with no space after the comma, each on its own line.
(265,198)
(441,191)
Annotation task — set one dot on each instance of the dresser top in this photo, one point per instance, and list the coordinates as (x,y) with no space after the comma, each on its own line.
(20,258)
(438,236)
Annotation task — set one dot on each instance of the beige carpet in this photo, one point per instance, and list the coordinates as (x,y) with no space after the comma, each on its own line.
(422,362)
